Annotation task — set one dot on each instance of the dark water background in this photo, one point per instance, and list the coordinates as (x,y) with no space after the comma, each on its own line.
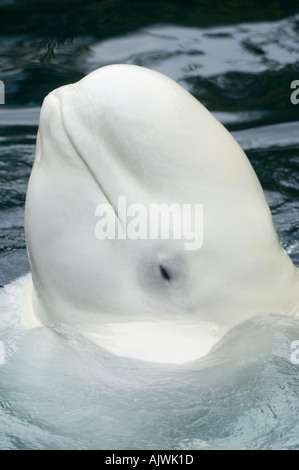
(239,59)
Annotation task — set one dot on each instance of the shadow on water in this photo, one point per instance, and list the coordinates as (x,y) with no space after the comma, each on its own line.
(102,19)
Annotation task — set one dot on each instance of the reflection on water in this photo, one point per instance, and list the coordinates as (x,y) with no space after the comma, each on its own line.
(239,60)
(244,67)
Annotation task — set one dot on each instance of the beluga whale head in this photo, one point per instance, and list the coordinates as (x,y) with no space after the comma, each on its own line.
(120,154)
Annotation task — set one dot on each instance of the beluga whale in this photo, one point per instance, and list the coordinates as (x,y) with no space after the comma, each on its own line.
(128,134)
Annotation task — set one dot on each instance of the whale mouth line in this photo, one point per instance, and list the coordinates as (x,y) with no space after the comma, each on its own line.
(87,166)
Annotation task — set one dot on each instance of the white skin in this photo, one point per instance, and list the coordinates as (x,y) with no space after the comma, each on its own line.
(127,130)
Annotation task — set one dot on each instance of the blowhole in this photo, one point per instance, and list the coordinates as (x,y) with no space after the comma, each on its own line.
(165,273)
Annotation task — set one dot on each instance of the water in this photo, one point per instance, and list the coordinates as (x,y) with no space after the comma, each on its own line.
(59,391)
(56,389)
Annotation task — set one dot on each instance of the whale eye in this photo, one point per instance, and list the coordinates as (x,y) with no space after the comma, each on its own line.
(165,273)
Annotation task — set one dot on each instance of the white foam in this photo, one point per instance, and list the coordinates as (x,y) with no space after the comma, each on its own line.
(10,300)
